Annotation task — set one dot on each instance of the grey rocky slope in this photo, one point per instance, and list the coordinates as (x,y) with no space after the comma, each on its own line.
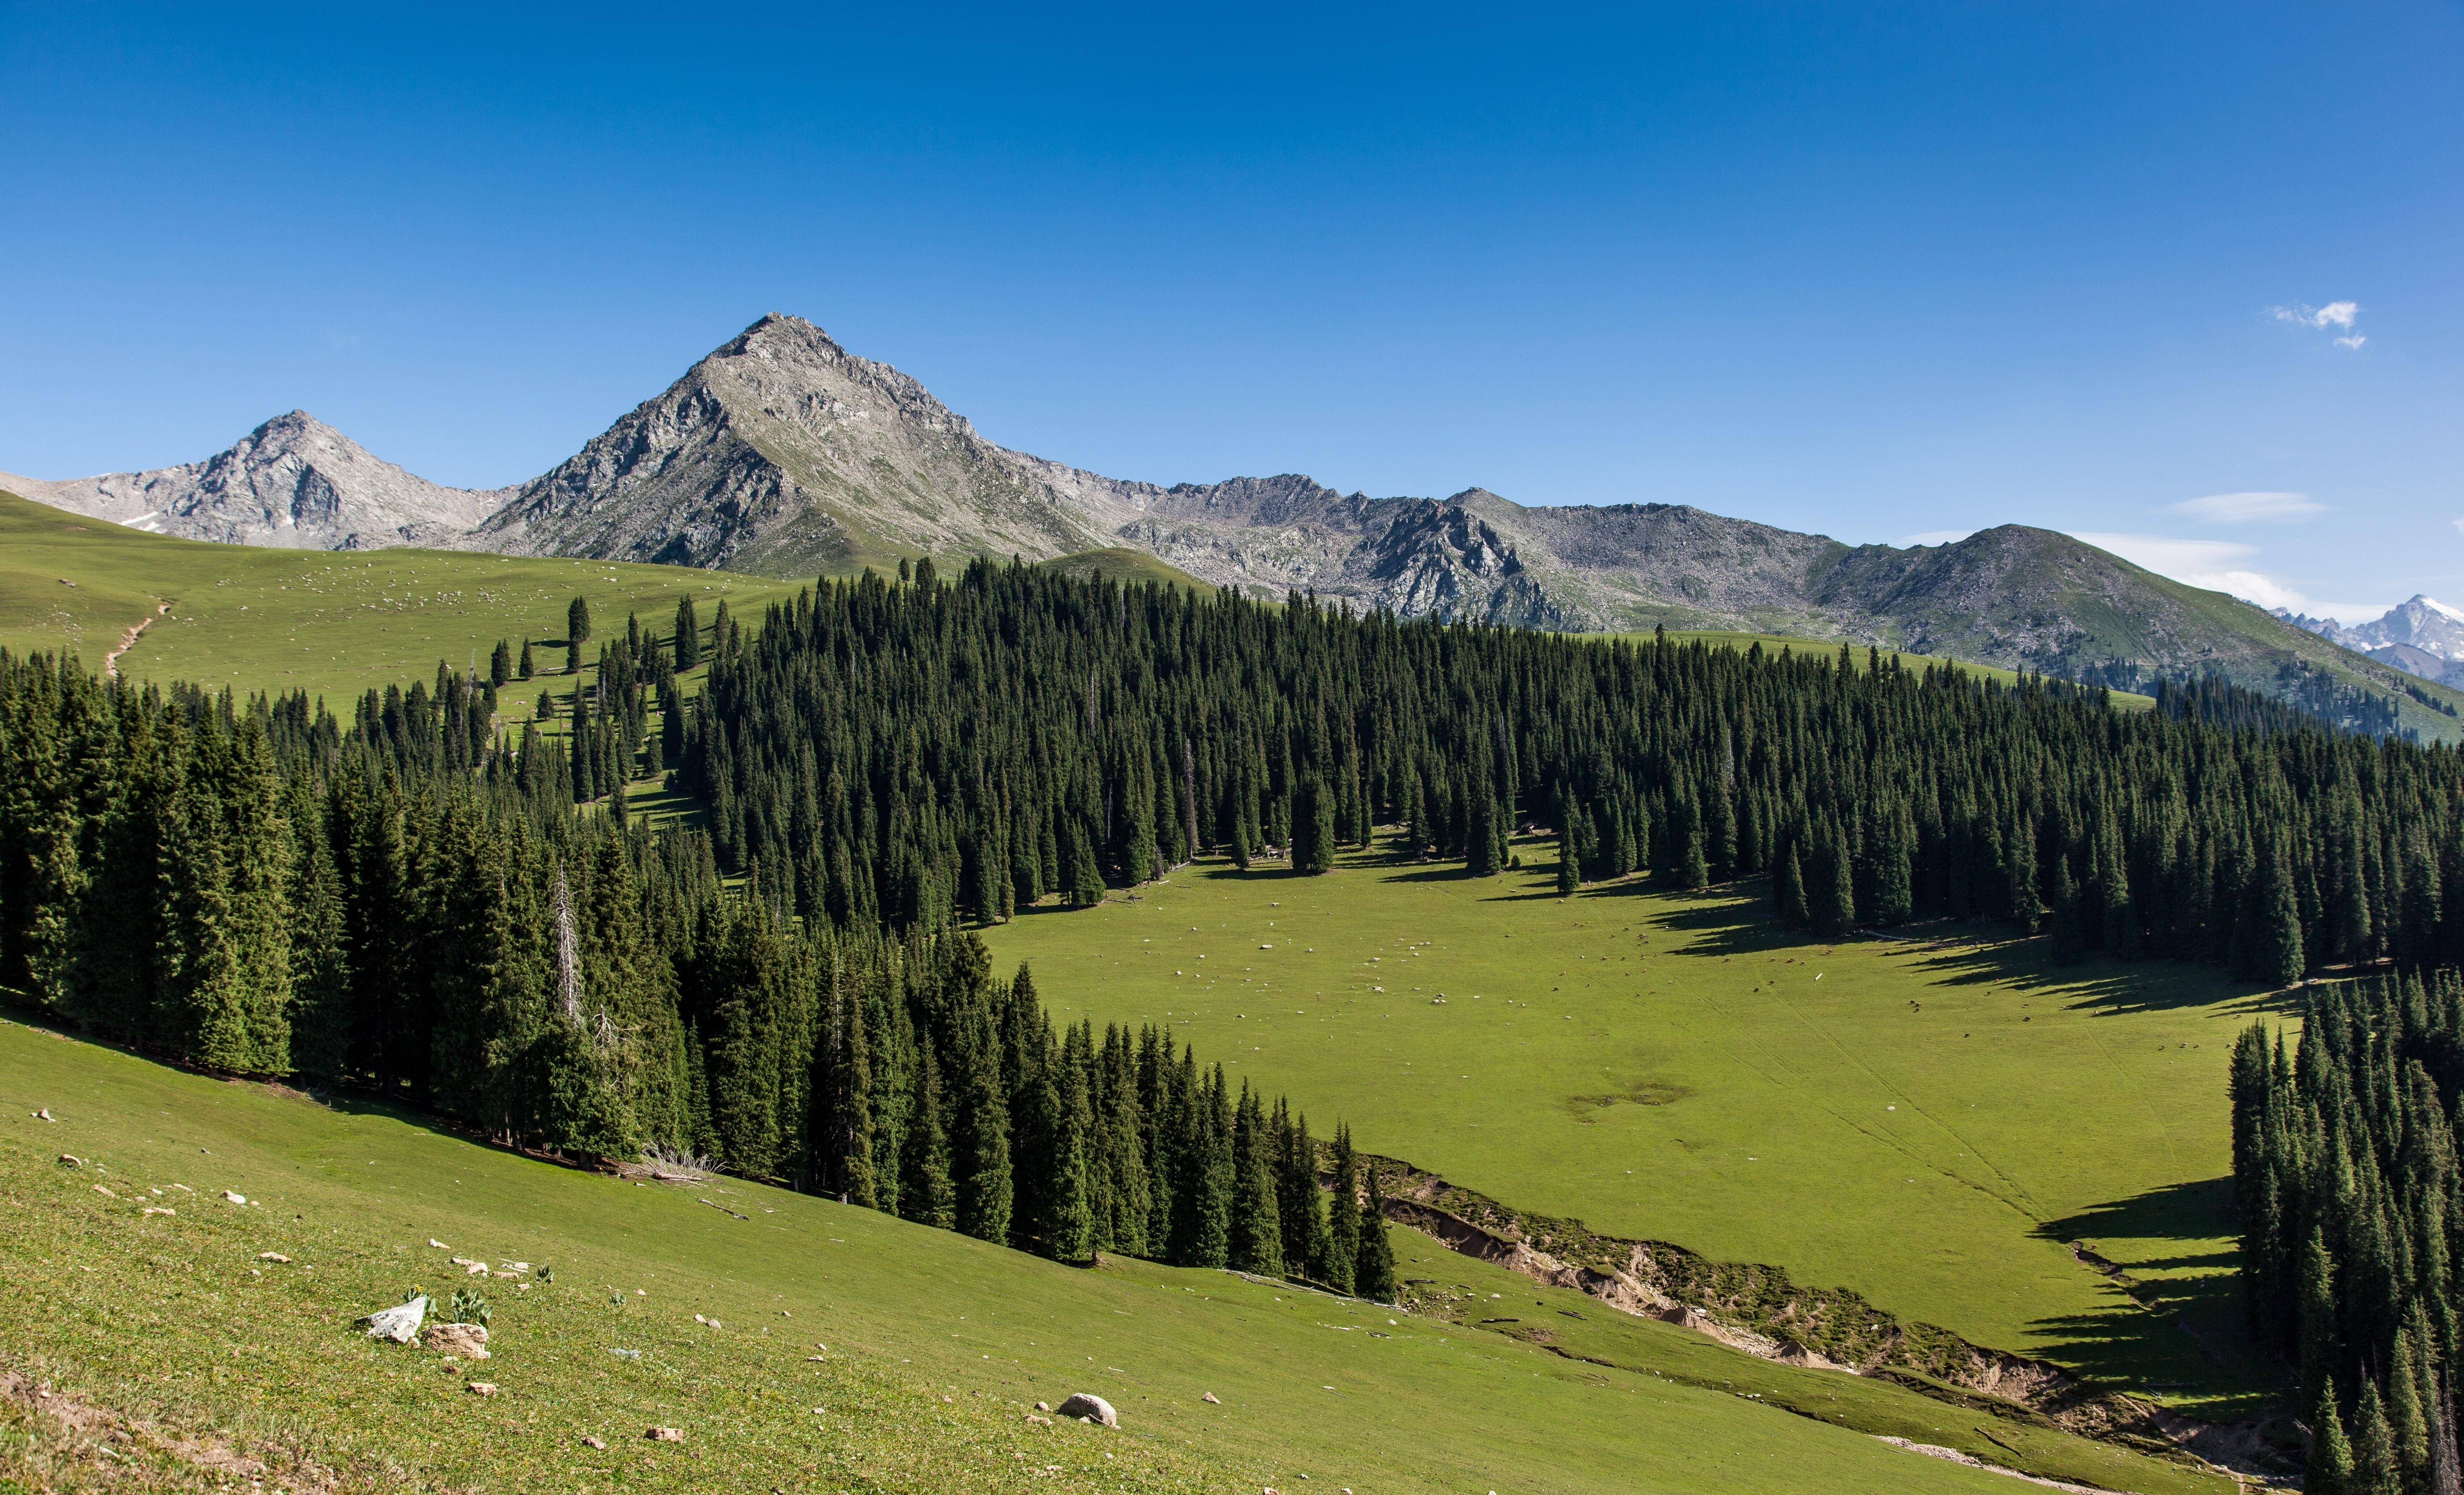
(782,454)
(293,482)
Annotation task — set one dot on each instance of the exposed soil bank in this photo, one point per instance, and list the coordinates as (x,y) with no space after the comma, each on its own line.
(1759,1310)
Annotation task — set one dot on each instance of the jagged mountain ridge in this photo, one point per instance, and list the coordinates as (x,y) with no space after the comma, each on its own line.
(2421,635)
(295,483)
(782,454)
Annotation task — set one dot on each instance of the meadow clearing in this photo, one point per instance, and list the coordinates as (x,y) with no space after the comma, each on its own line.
(1939,1122)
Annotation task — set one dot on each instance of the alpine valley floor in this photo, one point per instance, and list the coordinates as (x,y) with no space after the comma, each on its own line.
(1942,1122)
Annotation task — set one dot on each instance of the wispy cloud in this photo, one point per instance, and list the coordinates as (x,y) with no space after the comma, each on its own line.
(2335,313)
(1953,537)
(2339,315)
(2247,507)
(2221,565)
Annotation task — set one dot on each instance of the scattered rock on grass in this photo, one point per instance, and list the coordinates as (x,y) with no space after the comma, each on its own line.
(480,1388)
(71,1160)
(44,1115)
(470,1341)
(234,1198)
(1034,1417)
(1209,1397)
(271,1256)
(1089,1407)
(399,1323)
(589,1441)
(666,1435)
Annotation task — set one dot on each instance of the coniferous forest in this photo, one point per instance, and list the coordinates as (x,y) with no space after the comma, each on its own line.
(2345,1171)
(412,904)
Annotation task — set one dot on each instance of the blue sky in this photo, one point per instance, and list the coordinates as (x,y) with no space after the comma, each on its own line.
(2182,276)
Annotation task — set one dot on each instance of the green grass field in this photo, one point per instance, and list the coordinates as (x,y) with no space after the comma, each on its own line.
(936,1345)
(1929,1121)
(1119,564)
(331,623)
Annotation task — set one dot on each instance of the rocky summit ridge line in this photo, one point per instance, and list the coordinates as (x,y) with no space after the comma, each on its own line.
(295,483)
(782,454)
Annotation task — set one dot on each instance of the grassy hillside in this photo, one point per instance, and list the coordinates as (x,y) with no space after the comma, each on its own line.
(332,622)
(2064,606)
(1120,563)
(937,1346)
(1931,1122)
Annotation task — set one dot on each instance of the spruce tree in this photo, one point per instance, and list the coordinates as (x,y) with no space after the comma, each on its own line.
(2276,921)
(2320,1350)
(1210,1181)
(984,1181)
(2408,1418)
(1299,1201)
(1257,1243)
(525,669)
(2329,1470)
(1314,842)
(2375,1451)
(1343,1217)
(1069,1231)
(2068,944)
(1373,1273)
(1835,909)
(1790,890)
(2025,908)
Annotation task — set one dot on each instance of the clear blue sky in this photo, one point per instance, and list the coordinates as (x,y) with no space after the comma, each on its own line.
(1875,271)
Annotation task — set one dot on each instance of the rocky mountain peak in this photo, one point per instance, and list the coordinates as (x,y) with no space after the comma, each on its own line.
(292,482)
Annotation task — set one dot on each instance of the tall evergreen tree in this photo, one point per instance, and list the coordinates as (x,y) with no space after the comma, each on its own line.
(1257,1234)
(1069,1235)
(1373,1271)
(1343,1217)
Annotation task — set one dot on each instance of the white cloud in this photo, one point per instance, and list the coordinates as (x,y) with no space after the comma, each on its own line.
(2214,565)
(2166,556)
(2247,507)
(1953,537)
(2335,313)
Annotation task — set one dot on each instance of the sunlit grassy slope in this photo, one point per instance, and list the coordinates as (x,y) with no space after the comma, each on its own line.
(936,1345)
(1119,564)
(1929,1121)
(331,623)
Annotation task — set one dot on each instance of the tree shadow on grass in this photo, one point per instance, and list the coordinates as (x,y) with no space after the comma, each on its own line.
(2198,1210)
(2164,1303)
(2102,986)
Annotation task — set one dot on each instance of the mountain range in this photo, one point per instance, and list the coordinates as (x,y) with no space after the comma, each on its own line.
(2423,636)
(782,454)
